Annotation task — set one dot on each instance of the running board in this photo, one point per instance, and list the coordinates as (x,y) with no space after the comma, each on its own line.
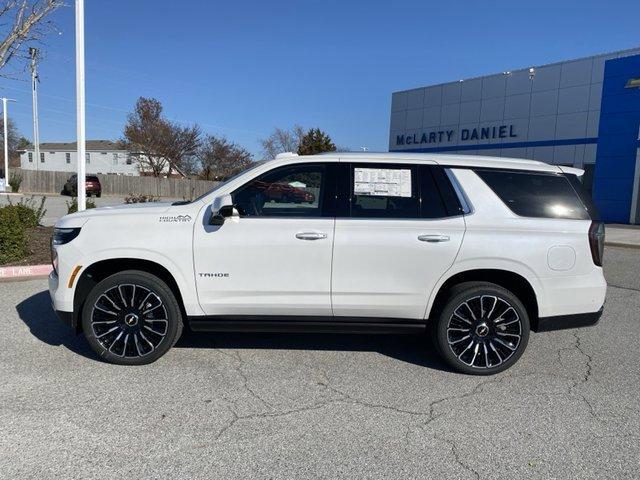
(282,324)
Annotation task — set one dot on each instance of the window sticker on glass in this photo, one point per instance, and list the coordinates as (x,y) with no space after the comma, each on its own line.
(382,182)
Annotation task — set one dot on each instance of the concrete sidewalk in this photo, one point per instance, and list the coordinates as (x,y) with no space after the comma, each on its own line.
(617,235)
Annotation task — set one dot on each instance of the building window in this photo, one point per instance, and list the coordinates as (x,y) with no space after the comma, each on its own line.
(129,160)
(30,157)
(42,157)
(115,158)
(68,157)
(87,157)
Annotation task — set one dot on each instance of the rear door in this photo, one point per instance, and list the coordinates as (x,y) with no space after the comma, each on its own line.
(395,237)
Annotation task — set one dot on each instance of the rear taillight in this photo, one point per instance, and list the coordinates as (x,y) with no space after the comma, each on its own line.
(596,242)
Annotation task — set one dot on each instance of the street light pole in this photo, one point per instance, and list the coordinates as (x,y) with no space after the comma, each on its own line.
(6,142)
(80,106)
(33,52)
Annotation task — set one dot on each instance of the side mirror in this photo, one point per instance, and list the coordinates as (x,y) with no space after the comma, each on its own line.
(222,208)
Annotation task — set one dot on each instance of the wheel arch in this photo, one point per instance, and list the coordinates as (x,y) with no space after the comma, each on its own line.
(102,269)
(512,281)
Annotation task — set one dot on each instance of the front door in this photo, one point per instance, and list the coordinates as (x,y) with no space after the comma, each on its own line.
(397,239)
(275,258)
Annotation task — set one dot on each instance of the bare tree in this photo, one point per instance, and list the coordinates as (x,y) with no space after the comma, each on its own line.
(181,146)
(14,143)
(219,158)
(23,22)
(163,146)
(282,141)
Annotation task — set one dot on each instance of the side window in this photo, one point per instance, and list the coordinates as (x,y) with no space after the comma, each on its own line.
(539,195)
(384,191)
(292,191)
(431,197)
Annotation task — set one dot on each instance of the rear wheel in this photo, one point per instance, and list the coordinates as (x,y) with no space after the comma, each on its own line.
(483,328)
(131,318)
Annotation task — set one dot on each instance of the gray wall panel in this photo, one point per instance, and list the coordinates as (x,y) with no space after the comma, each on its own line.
(470,112)
(573,99)
(494,86)
(451,93)
(399,101)
(471,89)
(542,128)
(517,106)
(431,116)
(492,109)
(451,113)
(546,78)
(576,73)
(433,96)
(544,103)
(414,119)
(571,125)
(415,98)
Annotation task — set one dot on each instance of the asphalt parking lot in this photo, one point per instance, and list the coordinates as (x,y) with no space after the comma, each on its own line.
(320,406)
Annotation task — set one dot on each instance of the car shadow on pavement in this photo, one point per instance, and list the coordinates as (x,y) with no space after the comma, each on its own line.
(411,348)
(37,314)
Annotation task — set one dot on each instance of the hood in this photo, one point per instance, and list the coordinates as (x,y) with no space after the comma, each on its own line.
(78,219)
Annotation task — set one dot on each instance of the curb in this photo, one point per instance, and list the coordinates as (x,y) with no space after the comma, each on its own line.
(24,272)
(621,244)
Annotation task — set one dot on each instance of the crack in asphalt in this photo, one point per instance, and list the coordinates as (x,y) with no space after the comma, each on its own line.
(585,378)
(238,363)
(623,288)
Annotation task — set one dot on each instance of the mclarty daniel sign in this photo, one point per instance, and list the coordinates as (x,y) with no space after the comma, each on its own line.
(464,135)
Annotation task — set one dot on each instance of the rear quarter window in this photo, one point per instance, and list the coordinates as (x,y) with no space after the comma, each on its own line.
(540,195)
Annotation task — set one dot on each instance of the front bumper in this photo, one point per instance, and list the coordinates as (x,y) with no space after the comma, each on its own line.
(563,322)
(61,305)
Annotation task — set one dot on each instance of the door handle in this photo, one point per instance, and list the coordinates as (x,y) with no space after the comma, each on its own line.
(434,238)
(310,236)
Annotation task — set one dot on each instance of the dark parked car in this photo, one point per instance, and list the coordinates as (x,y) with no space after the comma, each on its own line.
(282,192)
(92,186)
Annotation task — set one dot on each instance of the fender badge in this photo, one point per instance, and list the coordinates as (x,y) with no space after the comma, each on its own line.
(175,218)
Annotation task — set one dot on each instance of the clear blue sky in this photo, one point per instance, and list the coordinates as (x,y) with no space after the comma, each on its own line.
(240,68)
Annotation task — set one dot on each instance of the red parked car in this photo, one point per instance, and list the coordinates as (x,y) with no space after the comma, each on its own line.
(92,186)
(286,193)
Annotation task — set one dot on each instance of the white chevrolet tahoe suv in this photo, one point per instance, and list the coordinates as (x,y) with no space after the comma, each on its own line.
(474,251)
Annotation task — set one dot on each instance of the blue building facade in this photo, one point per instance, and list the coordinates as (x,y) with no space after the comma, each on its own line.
(583,113)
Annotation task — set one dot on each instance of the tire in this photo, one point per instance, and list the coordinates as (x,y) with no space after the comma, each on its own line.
(483,329)
(135,332)
(98,195)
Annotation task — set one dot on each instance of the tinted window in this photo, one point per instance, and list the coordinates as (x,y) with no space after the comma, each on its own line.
(384,191)
(431,201)
(536,194)
(92,179)
(293,191)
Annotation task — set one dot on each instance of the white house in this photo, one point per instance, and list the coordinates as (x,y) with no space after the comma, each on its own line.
(102,156)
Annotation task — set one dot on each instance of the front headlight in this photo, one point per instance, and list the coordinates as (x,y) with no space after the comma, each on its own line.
(60,237)
(63,235)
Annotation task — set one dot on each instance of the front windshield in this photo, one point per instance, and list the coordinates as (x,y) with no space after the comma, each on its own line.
(253,166)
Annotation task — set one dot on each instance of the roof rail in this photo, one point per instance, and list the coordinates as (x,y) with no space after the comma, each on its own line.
(285,155)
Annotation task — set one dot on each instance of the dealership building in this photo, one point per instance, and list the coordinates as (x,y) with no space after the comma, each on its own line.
(583,113)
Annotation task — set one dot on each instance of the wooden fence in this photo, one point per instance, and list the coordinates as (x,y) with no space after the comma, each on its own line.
(43,181)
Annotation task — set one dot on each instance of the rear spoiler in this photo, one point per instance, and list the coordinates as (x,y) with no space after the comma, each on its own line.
(578,172)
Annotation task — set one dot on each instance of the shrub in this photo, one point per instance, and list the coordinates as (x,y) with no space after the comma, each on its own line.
(13,241)
(140,198)
(28,210)
(15,181)
(73,206)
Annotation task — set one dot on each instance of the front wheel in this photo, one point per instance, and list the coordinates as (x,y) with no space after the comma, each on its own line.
(131,318)
(483,329)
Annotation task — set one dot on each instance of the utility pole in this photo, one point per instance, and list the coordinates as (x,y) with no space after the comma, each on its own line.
(33,53)
(6,143)
(80,107)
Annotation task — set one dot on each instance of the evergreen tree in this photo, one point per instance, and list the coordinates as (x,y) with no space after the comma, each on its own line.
(316,141)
